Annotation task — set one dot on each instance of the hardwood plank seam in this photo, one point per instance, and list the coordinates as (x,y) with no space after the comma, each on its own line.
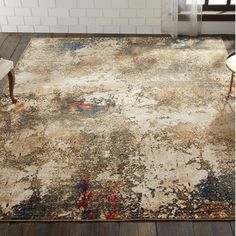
(16,46)
(156,229)
(4,40)
(232,230)
(193,228)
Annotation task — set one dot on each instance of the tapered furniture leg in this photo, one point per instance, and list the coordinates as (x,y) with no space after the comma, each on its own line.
(11,78)
(231,84)
(231,63)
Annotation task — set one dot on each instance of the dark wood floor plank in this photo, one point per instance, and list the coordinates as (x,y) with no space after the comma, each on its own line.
(95,229)
(3,229)
(26,229)
(175,228)
(74,229)
(221,228)
(212,228)
(185,228)
(59,228)
(15,229)
(232,224)
(138,229)
(3,36)
(37,229)
(166,228)
(202,229)
(46,229)
(9,45)
(109,229)
(24,41)
(85,229)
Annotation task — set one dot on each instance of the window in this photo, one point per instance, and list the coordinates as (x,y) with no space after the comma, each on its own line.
(217,2)
(213,10)
(219,5)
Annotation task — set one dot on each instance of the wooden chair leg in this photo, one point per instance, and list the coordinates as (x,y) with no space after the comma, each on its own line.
(11,78)
(230,86)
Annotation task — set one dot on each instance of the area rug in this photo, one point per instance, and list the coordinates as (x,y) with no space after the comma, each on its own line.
(128,128)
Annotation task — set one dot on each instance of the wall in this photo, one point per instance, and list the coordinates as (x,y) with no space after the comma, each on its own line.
(81,16)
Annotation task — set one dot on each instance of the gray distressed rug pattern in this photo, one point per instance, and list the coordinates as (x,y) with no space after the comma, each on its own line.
(118,128)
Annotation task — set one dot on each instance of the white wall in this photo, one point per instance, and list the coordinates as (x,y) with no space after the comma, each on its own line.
(81,16)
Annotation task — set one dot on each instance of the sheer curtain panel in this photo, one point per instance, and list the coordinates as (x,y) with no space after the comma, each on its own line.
(182,17)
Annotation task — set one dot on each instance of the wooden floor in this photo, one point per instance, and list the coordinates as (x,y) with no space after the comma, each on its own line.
(119,229)
(11,47)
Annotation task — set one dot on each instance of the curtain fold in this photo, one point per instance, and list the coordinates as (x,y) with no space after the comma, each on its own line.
(182,17)
(170,17)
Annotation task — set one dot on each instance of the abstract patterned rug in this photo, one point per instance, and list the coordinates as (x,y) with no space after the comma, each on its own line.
(118,128)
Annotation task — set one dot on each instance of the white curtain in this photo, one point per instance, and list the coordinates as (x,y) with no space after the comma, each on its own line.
(169,17)
(182,17)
